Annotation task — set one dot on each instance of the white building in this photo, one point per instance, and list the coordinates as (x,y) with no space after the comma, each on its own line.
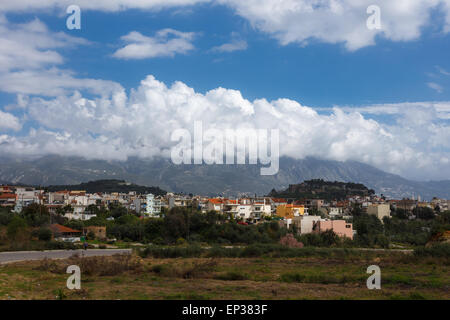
(307,223)
(153,205)
(335,211)
(27,196)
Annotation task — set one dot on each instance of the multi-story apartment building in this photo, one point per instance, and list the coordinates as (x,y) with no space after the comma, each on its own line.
(153,206)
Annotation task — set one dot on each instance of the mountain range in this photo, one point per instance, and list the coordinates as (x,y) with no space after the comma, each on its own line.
(226,180)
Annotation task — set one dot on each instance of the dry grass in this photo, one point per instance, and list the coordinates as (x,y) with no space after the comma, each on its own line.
(130,277)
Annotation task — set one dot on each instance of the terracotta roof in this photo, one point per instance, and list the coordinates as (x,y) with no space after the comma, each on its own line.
(62,229)
(216,201)
(278,200)
(7,196)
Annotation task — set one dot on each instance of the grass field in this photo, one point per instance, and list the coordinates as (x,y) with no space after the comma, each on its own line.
(132,277)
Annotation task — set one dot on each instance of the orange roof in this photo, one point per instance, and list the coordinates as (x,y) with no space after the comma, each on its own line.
(62,229)
(278,200)
(7,196)
(216,201)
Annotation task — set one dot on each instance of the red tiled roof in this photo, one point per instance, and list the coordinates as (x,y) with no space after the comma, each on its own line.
(216,201)
(278,200)
(7,196)
(62,229)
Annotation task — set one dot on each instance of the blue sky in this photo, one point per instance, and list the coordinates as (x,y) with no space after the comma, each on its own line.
(319,74)
(391,86)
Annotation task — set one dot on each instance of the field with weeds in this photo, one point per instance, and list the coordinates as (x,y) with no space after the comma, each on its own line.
(311,276)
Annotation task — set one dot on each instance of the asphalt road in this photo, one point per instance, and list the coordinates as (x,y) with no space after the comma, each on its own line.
(15,256)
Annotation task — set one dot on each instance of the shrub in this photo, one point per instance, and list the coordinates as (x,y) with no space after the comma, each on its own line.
(180,242)
(290,241)
(171,252)
(438,250)
(107,266)
(292,277)
(91,235)
(44,234)
(232,276)
(16,226)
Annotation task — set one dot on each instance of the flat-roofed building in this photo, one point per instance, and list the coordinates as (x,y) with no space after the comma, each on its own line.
(379,210)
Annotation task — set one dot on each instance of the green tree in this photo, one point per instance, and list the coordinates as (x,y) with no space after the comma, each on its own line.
(44,234)
(36,215)
(424,213)
(16,226)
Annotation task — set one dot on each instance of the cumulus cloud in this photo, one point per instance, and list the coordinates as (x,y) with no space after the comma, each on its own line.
(30,62)
(293,21)
(338,21)
(166,43)
(9,122)
(140,124)
(31,45)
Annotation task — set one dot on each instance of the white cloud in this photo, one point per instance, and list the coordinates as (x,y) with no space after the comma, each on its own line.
(166,43)
(30,62)
(236,44)
(443,71)
(338,21)
(9,122)
(437,87)
(140,124)
(292,21)
(103,5)
(31,45)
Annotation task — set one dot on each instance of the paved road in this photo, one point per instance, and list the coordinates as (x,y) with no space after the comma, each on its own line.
(6,257)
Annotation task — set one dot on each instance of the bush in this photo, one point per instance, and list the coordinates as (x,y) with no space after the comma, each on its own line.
(437,251)
(232,276)
(290,241)
(5,217)
(171,252)
(44,234)
(107,266)
(15,227)
(180,242)
(91,235)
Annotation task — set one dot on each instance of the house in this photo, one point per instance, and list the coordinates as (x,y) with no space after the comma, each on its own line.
(379,210)
(7,199)
(335,211)
(215,204)
(289,211)
(99,232)
(260,209)
(79,214)
(63,233)
(275,202)
(27,196)
(307,223)
(340,227)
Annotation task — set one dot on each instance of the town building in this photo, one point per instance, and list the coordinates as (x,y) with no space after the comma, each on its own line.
(153,206)
(340,227)
(380,210)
